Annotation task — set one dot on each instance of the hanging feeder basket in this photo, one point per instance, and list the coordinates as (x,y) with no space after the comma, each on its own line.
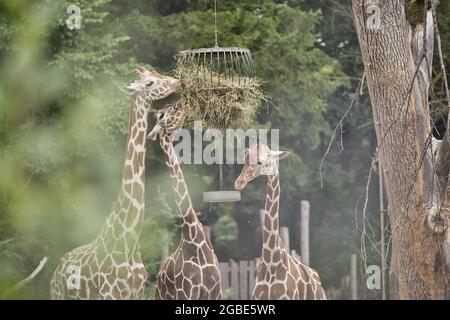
(219,85)
(221,89)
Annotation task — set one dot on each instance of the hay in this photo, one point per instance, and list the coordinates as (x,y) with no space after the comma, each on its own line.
(232,103)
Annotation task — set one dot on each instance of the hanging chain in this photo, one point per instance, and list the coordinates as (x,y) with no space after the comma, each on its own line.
(215,24)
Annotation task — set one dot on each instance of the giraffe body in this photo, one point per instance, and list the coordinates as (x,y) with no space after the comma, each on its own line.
(192,272)
(279,275)
(189,273)
(110,267)
(91,272)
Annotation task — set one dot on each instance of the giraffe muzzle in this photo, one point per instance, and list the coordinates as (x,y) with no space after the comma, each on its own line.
(240,184)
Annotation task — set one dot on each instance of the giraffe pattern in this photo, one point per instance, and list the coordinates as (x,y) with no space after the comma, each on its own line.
(110,267)
(279,275)
(192,271)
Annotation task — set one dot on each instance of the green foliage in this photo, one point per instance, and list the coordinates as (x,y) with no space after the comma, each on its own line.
(414,10)
(225,231)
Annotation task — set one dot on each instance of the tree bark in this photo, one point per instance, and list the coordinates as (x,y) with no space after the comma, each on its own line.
(398,78)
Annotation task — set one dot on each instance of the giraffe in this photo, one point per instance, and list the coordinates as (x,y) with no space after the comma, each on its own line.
(192,271)
(110,267)
(279,275)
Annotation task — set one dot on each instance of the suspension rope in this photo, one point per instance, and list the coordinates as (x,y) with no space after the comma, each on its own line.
(215,24)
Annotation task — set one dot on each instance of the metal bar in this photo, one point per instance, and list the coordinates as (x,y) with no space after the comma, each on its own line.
(246,68)
(221,176)
(204,66)
(250,66)
(218,67)
(198,63)
(225,61)
(238,68)
(210,67)
(249,54)
(232,67)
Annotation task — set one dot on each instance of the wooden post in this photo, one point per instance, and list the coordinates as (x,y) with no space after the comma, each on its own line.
(304,231)
(353,280)
(207,231)
(262,212)
(243,280)
(295,255)
(284,233)
(234,280)
(252,278)
(225,274)
(165,247)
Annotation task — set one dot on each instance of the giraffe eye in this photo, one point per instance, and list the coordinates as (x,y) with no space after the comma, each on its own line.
(259,163)
(161,116)
(148,85)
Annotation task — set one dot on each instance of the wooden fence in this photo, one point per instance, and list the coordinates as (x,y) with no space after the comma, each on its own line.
(238,279)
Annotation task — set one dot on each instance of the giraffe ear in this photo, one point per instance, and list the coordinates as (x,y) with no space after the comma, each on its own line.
(131,88)
(278,155)
(142,72)
(139,72)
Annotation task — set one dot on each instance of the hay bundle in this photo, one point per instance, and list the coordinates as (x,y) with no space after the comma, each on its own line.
(218,101)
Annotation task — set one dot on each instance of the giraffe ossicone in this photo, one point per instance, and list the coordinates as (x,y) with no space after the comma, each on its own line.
(110,267)
(279,275)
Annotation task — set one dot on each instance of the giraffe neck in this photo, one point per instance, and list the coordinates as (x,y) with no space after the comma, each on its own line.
(182,196)
(124,223)
(271,238)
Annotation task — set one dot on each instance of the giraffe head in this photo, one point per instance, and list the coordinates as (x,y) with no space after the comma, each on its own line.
(258,160)
(169,118)
(152,86)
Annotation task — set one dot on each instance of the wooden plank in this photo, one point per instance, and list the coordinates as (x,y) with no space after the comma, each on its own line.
(234,280)
(207,231)
(353,279)
(225,274)
(262,213)
(252,278)
(295,255)
(304,231)
(284,233)
(243,280)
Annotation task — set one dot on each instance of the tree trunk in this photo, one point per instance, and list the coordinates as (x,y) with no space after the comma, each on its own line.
(398,77)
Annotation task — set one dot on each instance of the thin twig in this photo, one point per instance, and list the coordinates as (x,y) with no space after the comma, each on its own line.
(20,284)
(38,269)
(3,242)
(339,125)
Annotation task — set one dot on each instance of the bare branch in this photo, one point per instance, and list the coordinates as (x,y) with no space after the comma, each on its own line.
(32,275)
(340,125)
(3,242)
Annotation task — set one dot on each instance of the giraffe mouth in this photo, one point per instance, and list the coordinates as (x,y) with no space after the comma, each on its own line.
(240,184)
